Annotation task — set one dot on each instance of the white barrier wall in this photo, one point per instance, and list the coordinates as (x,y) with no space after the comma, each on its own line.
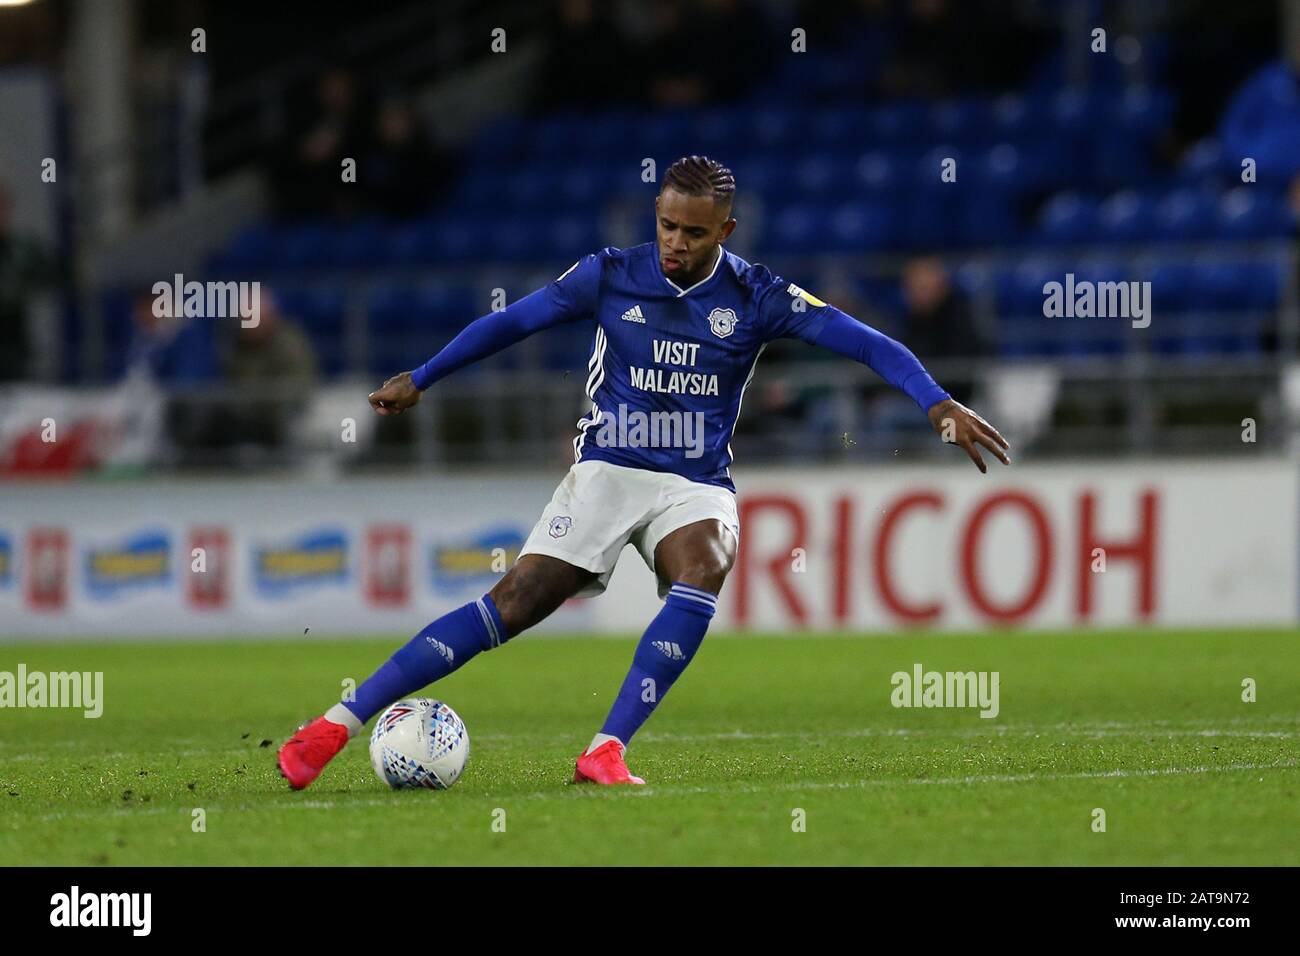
(845,549)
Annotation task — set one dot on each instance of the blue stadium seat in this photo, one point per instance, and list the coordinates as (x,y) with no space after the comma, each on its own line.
(517,238)
(1265,282)
(249,251)
(662,135)
(793,228)
(719,132)
(413,244)
(322,312)
(1020,289)
(837,128)
(1204,163)
(762,173)
(900,121)
(358,246)
(988,218)
(1126,216)
(1010,118)
(1173,286)
(1100,335)
(556,135)
(1076,112)
(1185,214)
(303,247)
(1247,212)
(1068,218)
(1118,161)
(1222,284)
(877,171)
(859,225)
(570,237)
(1140,113)
(966,120)
(822,174)
(936,219)
(773,128)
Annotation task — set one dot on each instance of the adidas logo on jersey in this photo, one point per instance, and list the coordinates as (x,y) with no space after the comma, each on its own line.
(447,653)
(671,650)
(634,315)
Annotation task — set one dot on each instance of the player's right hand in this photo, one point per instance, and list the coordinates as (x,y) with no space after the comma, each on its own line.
(395,395)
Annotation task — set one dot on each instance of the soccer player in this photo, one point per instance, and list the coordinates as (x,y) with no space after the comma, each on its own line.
(679,325)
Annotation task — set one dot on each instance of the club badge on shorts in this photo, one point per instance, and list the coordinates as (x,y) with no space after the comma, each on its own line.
(722,322)
(560,526)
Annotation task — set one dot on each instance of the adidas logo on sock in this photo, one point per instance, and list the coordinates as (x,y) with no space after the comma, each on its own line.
(634,315)
(671,650)
(447,653)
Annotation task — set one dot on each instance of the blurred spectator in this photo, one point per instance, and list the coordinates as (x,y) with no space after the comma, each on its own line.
(307,165)
(1263,122)
(271,368)
(402,172)
(24,268)
(939,321)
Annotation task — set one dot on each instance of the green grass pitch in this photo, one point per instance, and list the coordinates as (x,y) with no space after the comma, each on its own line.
(1149,726)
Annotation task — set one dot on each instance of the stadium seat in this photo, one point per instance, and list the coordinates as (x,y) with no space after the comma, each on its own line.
(967,120)
(250,250)
(793,228)
(1126,216)
(1246,212)
(877,171)
(840,128)
(860,225)
(1010,118)
(321,310)
(1068,218)
(303,247)
(822,174)
(898,122)
(1184,214)
(357,246)
(1173,286)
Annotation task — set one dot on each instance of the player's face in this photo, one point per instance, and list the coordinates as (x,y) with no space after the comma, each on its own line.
(689,229)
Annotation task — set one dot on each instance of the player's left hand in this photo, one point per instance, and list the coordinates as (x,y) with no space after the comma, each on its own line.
(959,425)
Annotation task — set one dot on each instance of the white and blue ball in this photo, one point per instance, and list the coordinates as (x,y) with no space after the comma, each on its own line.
(419,743)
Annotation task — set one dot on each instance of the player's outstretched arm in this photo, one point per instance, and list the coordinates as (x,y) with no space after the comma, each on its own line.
(896,364)
(484,336)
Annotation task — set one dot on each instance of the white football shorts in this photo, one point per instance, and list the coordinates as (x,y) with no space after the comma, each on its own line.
(600,508)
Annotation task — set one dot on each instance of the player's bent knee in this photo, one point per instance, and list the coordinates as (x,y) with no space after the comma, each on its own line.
(707,573)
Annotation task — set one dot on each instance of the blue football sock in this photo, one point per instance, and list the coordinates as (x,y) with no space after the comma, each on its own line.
(432,654)
(665,649)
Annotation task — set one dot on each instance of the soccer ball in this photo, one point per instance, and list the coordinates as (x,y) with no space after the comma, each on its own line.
(419,743)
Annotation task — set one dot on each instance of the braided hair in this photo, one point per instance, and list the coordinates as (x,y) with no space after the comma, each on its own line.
(701,176)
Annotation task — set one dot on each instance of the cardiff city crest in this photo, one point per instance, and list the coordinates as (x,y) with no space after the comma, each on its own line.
(722,322)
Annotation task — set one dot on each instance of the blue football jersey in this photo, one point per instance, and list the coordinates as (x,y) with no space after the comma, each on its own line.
(669,366)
